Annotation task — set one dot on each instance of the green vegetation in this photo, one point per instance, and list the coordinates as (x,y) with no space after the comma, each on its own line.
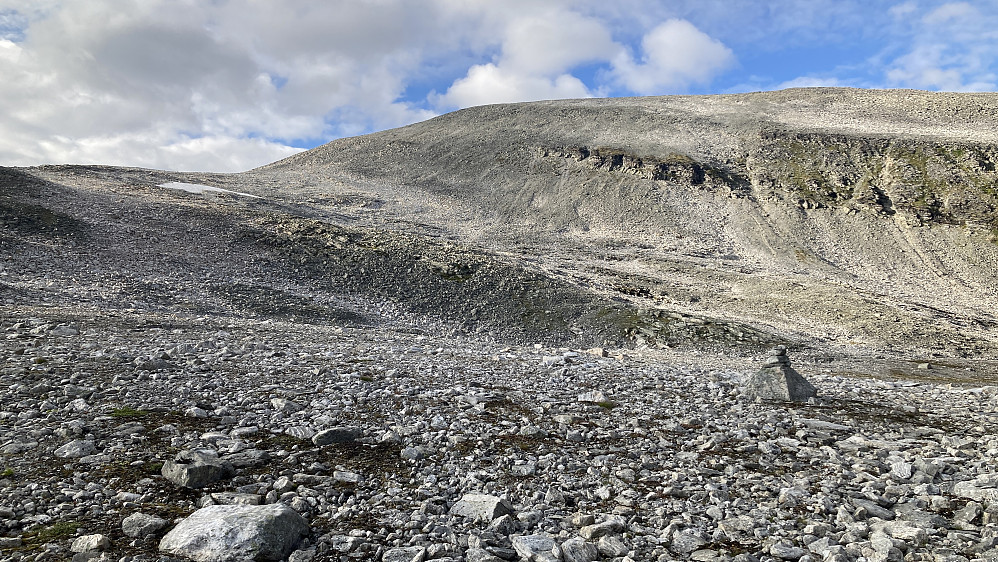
(128,412)
(58,531)
(7,472)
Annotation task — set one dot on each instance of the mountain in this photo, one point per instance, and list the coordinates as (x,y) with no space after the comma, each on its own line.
(859,221)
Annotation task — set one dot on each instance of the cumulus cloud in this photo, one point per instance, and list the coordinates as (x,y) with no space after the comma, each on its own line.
(148,82)
(675,55)
(538,49)
(489,83)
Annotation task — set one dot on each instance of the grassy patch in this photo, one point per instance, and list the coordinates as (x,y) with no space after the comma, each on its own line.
(58,531)
(127,412)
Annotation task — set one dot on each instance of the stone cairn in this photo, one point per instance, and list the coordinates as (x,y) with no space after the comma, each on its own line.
(777,380)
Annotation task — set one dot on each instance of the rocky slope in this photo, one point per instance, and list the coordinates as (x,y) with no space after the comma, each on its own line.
(518,332)
(838,215)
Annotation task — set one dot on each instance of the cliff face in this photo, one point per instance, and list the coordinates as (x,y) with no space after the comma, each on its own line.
(925,181)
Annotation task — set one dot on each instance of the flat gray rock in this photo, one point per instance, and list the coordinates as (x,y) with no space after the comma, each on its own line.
(76,449)
(408,554)
(481,506)
(236,533)
(579,550)
(336,435)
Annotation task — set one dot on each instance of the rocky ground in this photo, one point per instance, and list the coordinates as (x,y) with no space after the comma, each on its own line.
(375,435)
(526,332)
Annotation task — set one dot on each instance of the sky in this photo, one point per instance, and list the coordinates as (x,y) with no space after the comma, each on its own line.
(228,85)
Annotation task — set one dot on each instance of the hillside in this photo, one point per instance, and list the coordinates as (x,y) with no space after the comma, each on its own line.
(848,216)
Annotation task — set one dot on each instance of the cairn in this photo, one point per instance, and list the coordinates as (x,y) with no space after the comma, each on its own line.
(777,380)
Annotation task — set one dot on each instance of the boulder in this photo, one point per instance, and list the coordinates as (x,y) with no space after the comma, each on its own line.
(231,533)
(408,554)
(777,380)
(336,435)
(579,550)
(76,449)
(90,543)
(139,525)
(196,468)
(481,506)
(537,548)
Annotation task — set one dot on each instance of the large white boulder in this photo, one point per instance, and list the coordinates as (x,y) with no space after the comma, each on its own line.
(231,533)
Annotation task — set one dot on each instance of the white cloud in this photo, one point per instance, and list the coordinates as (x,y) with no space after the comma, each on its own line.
(952,47)
(675,55)
(488,83)
(552,42)
(810,82)
(146,82)
(538,50)
(903,9)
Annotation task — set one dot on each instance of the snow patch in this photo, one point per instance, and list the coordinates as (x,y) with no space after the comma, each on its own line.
(198,188)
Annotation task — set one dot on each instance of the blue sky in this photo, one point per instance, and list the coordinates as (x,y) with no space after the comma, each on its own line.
(226,85)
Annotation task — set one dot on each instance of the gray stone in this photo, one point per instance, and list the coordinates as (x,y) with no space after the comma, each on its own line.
(872,509)
(90,543)
(409,554)
(611,546)
(413,453)
(302,432)
(594,396)
(336,435)
(140,525)
(973,490)
(286,406)
(777,380)
(579,550)
(196,469)
(504,525)
(536,548)
(481,506)
(230,533)
(611,526)
(901,470)
(76,449)
(686,541)
(787,551)
(236,498)
(247,459)
(481,555)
